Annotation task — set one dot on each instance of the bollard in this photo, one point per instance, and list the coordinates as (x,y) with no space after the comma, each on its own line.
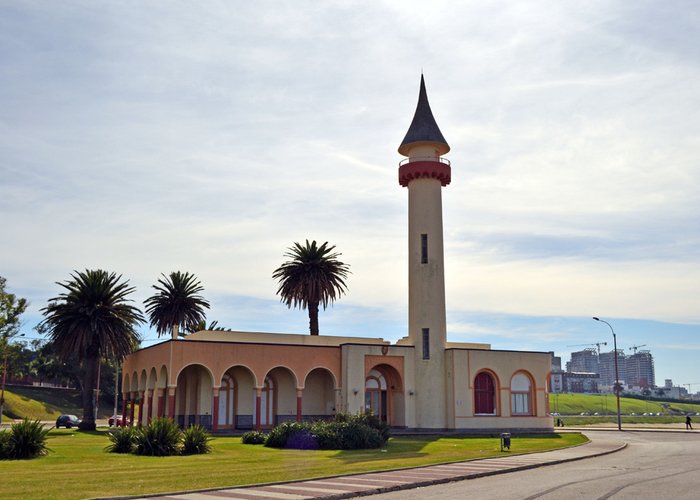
(505,441)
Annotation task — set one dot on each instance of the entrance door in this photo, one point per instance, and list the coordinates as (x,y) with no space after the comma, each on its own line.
(375,395)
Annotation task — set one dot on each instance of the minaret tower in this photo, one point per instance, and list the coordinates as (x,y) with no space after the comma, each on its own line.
(424,172)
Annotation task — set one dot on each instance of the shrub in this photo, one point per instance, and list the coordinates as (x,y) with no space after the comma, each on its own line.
(280,435)
(253,437)
(26,439)
(345,432)
(326,434)
(195,441)
(373,421)
(160,438)
(122,440)
(5,437)
(357,436)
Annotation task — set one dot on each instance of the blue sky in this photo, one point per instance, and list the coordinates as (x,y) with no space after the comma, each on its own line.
(147,137)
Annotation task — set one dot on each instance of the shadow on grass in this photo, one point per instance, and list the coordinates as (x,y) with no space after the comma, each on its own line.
(403,447)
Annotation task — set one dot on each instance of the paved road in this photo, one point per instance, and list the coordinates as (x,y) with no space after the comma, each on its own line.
(654,465)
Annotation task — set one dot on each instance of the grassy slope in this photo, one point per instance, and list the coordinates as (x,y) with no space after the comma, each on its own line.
(44,403)
(78,467)
(575,404)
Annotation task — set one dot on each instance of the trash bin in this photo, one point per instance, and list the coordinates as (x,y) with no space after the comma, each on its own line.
(505,441)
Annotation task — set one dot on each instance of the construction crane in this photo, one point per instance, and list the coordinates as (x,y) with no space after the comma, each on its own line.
(597,344)
(635,347)
(690,385)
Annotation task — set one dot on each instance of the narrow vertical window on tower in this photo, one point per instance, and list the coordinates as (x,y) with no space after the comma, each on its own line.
(423,248)
(426,343)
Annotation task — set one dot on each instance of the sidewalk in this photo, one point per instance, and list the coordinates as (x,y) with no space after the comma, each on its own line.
(377,482)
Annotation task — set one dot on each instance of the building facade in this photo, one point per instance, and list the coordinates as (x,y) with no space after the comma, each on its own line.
(244,380)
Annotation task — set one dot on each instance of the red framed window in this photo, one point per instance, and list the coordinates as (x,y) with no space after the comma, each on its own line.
(484,394)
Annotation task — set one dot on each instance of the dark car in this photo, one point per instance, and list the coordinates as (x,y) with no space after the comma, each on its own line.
(116,418)
(67,421)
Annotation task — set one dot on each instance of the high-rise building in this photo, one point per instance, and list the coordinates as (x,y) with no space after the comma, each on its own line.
(606,366)
(585,361)
(640,370)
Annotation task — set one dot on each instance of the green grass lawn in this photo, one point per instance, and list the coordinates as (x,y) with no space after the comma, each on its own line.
(78,467)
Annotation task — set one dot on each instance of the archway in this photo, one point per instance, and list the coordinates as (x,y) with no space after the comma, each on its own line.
(193,397)
(384,394)
(236,407)
(318,399)
(278,398)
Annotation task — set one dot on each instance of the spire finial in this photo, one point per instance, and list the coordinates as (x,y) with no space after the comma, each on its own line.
(424,128)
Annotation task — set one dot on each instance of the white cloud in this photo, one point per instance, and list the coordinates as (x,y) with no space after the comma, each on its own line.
(208,138)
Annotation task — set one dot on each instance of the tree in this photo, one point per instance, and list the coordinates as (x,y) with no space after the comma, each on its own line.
(202,325)
(92,319)
(11,308)
(177,305)
(314,276)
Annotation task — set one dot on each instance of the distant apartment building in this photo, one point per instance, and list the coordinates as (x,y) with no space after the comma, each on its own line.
(556,380)
(585,361)
(640,370)
(580,382)
(590,371)
(606,367)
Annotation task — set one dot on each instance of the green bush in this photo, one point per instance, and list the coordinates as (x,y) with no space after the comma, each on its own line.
(345,432)
(122,440)
(280,435)
(5,441)
(195,441)
(358,436)
(160,438)
(373,421)
(253,437)
(26,439)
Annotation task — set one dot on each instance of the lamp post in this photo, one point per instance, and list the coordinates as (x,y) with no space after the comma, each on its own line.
(617,376)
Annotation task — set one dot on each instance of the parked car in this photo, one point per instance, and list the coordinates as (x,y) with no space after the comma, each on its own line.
(67,421)
(116,418)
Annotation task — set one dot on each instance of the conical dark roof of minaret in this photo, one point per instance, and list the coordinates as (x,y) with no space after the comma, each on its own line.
(424,128)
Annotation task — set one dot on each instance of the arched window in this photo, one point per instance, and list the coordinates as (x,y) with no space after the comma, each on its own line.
(484,394)
(520,395)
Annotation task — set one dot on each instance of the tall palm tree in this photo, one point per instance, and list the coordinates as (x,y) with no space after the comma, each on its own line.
(202,325)
(314,276)
(177,305)
(92,319)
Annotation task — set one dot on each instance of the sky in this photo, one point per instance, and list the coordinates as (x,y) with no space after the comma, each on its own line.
(208,137)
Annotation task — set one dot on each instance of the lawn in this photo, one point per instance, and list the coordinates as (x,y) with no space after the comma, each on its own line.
(78,467)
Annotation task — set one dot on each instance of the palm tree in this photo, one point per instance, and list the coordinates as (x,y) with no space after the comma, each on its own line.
(202,325)
(314,276)
(92,319)
(177,305)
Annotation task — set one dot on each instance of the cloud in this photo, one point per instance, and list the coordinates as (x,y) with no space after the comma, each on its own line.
(209,138)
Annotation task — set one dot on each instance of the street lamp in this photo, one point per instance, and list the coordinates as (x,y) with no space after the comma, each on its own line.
(4,372)
(617,376)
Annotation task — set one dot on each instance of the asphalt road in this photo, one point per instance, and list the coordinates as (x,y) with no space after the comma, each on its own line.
(655,465)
